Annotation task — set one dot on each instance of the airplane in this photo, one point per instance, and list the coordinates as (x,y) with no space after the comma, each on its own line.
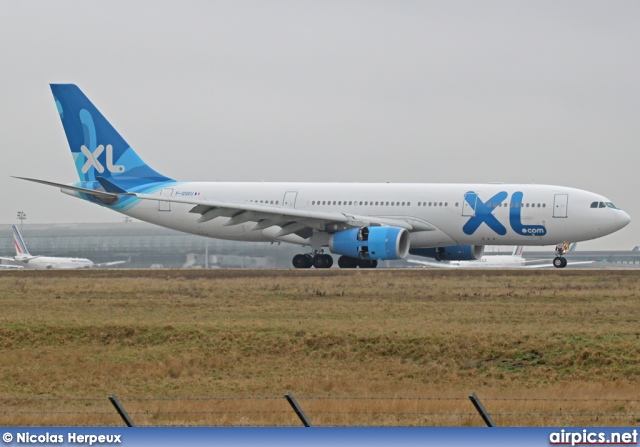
(362,222)
(26,260)
(515,260)
(10,267)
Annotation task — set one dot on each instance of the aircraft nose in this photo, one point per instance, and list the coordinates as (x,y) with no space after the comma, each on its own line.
(623,219)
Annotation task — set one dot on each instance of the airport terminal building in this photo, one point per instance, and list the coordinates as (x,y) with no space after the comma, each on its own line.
(144,245)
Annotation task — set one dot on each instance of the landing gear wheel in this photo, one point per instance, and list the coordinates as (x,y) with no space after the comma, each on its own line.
(302,261)
(564,262)
(322,261)
(347,262)
(559,262)
(367,263)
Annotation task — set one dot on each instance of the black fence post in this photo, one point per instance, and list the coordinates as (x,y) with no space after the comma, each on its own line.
(121,411)
(483,412)
(294,403)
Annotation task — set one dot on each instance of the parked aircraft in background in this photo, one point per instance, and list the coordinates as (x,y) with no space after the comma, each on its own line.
(10,266)
(24,259)
(363,223)
(515,260)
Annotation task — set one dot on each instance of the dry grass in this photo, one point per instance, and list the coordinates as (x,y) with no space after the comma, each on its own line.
(334,334)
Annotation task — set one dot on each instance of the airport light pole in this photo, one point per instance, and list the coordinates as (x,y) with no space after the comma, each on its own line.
(22,216)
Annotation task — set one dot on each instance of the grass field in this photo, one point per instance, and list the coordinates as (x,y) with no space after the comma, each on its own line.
(415,343)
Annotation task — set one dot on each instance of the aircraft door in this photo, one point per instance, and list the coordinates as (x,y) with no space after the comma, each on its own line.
(469,204)
(165,206)
(289,200)
(560,205)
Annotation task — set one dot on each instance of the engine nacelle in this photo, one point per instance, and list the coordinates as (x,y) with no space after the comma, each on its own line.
(453,253)
(376,243)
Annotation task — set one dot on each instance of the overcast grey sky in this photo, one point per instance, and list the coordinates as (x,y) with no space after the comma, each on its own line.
(424,91)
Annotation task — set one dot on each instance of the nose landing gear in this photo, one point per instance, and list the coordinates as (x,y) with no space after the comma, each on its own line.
(559,261)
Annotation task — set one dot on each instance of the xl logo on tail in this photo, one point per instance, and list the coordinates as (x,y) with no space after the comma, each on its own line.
(92,159)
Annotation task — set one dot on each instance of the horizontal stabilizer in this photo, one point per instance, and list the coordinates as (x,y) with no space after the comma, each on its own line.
(93,192)
(110,186)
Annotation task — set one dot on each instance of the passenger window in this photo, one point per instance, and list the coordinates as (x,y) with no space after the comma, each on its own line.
(544,205)
(408,203)
(387,203)
(456,204)
(446,203)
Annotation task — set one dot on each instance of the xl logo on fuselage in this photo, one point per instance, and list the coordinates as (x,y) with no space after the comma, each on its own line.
(92,159)
(483,213)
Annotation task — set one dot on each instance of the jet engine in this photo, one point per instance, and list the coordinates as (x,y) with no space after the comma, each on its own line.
(375,243)
(453,253)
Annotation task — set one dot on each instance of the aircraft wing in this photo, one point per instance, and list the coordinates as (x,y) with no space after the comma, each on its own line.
(435,264)
(7,259)
(106,264)
(290,220)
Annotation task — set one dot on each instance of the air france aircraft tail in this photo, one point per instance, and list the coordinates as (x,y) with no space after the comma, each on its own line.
(99,152)
(21,247)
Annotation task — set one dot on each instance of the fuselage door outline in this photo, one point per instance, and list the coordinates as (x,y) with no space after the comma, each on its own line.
(165,206)
(469,204)
(560,202)
(289,200)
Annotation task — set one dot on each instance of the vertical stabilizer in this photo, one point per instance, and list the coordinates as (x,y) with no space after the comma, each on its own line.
(21,247)
(517,251)
(98,149)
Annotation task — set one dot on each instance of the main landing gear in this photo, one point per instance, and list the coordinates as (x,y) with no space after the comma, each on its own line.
(559,261)
(320,260)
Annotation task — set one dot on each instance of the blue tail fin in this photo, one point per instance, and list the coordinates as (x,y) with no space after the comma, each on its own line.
(98,149)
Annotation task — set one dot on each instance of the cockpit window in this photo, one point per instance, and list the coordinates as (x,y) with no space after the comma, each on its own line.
(603,205)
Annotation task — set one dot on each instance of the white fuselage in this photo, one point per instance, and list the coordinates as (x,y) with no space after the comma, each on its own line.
(52,263)
(482,214)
